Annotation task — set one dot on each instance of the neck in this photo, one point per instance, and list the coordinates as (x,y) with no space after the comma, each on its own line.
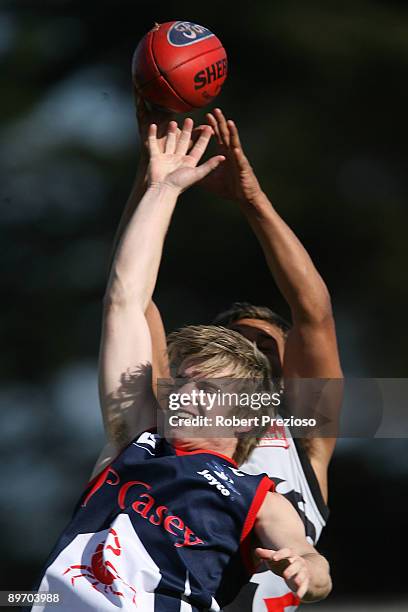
(224,446)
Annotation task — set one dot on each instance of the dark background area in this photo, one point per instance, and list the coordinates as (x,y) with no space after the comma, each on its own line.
(319,93)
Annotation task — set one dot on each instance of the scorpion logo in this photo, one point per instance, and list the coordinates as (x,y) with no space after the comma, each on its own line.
(102,573)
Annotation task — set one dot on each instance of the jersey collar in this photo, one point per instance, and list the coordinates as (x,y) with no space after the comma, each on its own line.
(203,451)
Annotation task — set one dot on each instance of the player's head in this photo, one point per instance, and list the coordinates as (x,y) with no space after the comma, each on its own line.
(220,360)
(261,325)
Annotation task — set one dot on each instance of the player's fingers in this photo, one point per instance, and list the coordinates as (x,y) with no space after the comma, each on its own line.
(162,133)
(208,166)
(240,158)
(199,128)
(152,140)
(234,134)
(200,146)
(293,569)
(283,553)
(302,590)
(265,553)
(223,127)
(185,137)
(196,133)
(162,137)
(213,123)
(300,577)
(170,146)
(163,118)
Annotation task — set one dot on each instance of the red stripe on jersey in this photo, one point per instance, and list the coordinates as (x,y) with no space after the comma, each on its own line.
(278,604)
(180,452)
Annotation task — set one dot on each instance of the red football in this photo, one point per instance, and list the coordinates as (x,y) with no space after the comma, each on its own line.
(179,65)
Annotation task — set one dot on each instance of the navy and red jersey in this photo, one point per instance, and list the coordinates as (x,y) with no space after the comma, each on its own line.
(158,529)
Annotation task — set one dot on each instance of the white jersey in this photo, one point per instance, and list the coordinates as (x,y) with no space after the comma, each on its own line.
(286,463)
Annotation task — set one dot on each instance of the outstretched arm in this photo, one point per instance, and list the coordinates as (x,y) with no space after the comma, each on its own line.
(126,351)
(311,346)
(145,117)
(287,552)
(291,266)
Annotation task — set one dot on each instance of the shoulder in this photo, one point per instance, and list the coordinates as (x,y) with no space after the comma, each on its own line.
(146,445)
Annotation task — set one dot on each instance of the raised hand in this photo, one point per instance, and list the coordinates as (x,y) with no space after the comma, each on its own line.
(147,115)
(174,165)
(290,566)
(235,179)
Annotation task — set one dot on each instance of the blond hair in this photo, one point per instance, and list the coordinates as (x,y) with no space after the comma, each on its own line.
(216,349)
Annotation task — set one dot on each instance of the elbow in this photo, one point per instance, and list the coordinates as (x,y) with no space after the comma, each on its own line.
(114,301)
(121,295)
(323,311)
(317,310)
(324,305)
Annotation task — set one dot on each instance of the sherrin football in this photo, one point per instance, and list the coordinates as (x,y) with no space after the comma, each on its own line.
(179,66)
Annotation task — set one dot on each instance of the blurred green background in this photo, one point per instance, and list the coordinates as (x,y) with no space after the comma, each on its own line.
(318,90)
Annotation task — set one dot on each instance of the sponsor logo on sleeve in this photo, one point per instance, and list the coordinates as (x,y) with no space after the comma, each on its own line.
(218,477)
(148,441)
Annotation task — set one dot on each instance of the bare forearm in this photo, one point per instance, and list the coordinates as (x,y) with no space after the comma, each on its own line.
(287,552)
(289,263)
(137,259)
(320,583)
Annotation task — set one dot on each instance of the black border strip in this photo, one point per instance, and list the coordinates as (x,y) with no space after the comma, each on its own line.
(312,479)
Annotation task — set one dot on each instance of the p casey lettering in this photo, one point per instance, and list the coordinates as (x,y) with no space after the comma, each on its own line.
(145,506)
